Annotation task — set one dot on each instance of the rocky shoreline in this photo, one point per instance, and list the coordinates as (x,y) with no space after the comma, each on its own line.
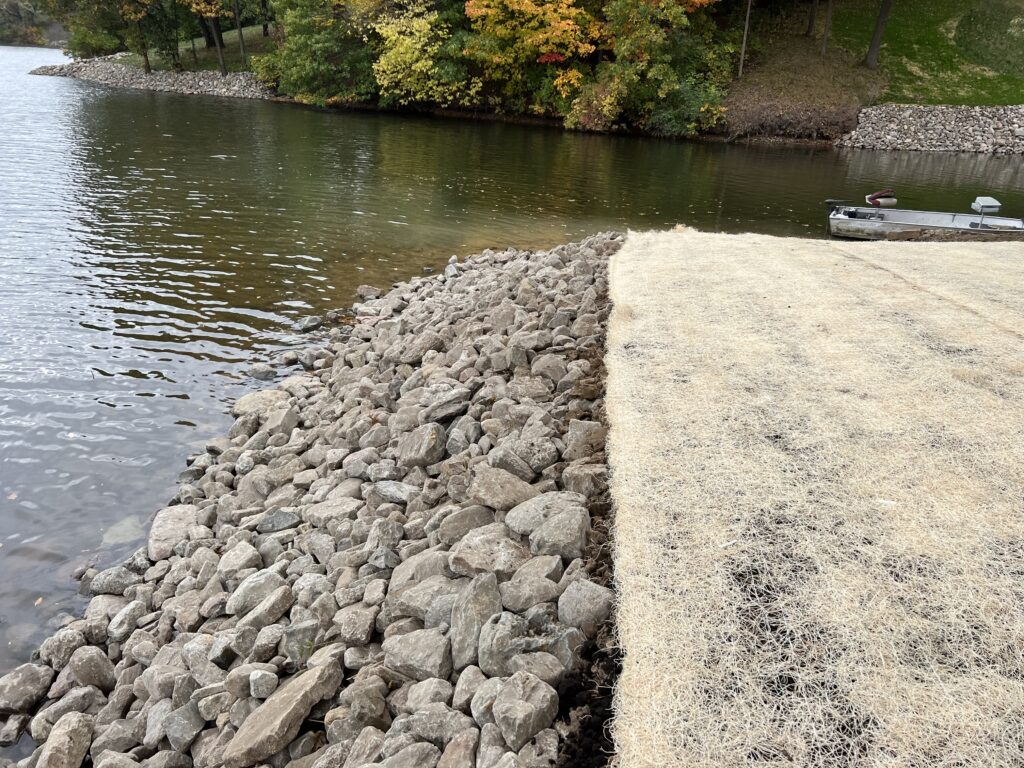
(922,128)
(396,558)
(109,71)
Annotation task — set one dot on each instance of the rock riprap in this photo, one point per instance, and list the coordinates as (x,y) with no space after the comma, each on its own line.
(386,561)
(927,128)
(107,70)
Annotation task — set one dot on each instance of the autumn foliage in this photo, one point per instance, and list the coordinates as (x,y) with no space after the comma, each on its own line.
(654,65)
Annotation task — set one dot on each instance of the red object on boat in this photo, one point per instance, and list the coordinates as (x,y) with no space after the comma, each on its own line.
(877,198)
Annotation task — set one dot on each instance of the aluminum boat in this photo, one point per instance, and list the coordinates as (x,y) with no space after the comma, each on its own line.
(880,220)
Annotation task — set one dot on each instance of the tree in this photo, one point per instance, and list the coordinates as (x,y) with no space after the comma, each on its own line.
(812,19)
(325,57)
(663,72)
(531,48)
(827,33)
(875,49)
(746,32)
(241,37)
(211,11)
(407,68)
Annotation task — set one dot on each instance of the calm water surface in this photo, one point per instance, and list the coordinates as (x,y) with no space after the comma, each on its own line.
(153,245)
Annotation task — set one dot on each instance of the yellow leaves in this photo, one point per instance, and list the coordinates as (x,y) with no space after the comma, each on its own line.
(406,69)
(527,31)
(568,82)
(206,8)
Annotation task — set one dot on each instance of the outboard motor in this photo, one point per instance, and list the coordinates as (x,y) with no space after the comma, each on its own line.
(885,198)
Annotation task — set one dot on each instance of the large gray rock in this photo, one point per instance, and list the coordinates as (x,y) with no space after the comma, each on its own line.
(56,650)
(170,526)
(114,581)
(365,749)
(422,447)
(277,721)
(525,706)
(482,704)
(183,725)
(24,687)
(240,557)
(459,523)
(488,550)
(520,594)
(586,479)
(499,489)
(68,743)
(90,666)
(252,591)
(501,638)
(564,534)
(427,692)
(422,654)
(419,755)
(584,439)
(461,750)
(585,605)
(527,517)
(259,402)
(436,723)
(478,601)
(126,620)
(270,609)
(469,682)
(354,624)
(81,699)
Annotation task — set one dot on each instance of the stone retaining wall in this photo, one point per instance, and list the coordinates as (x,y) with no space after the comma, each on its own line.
(388,560)
(996,130)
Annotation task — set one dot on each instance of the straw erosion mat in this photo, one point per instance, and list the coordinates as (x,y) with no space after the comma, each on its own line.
(817,469)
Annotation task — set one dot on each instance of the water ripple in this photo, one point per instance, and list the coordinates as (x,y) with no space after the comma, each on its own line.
(152,245)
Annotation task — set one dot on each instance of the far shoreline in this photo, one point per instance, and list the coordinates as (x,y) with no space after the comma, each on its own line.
(893,127)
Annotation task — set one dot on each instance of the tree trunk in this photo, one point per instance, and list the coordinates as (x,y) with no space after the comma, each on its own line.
(219,40)
(218,33)
(828,27)
(241,37)
(207,33)
(195,57)
(875,50)
(144,48)
(176,58)
(265,14)
(812,18)
(746,31)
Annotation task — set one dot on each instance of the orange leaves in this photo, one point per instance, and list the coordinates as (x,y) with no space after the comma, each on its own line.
(529,30)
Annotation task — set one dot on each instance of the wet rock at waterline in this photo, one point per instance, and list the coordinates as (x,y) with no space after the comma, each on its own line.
(385,561)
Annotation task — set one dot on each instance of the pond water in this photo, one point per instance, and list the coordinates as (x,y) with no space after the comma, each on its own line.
(154,245)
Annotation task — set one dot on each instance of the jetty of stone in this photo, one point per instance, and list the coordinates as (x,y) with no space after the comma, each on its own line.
(108,70)
(939,128)
(389,560)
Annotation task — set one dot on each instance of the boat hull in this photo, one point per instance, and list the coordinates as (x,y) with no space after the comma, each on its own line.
(859,223)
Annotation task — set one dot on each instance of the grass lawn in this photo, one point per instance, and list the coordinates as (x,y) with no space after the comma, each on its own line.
(943,51)
(206,58)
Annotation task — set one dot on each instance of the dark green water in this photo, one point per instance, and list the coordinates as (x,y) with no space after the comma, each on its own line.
(153,245)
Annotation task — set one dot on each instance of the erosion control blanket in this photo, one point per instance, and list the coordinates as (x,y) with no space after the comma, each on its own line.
(818,467)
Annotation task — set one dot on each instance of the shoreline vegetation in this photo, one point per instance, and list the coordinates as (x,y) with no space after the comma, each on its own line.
(799,69)
(398,556)
(993,130)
